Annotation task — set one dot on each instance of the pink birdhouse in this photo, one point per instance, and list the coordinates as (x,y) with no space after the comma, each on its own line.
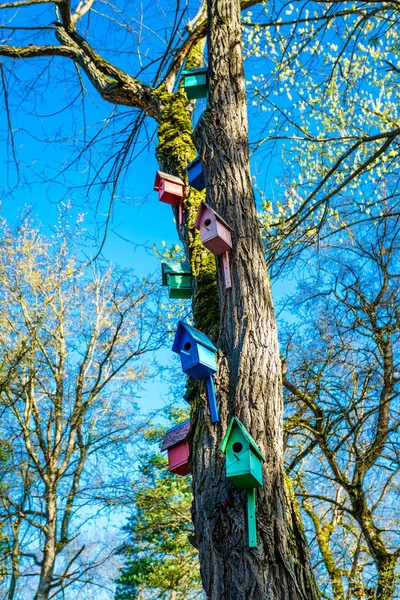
(216,235)
(170,189)
(176,443)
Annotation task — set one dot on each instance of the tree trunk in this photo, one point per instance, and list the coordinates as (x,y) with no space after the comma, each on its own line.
(249,377)
(50,547)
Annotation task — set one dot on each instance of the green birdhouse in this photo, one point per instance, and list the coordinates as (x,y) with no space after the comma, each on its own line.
(195,82)
(178,278)
(244,468)
(243,457)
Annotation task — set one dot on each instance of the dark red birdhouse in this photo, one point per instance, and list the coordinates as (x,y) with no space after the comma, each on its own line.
(170,189)
(176,443)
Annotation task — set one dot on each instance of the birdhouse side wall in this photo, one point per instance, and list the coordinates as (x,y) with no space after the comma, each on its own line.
(178,459)
(224,233)
(207,359)
(180,281)
(170,192)
(256,468)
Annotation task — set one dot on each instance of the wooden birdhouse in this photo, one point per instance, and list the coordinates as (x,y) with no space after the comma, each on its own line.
(170,189)
(244,468)
(195,82)
(197,356)
(215,235)
(178,278)
(195,174)
(176,443)
(243,457)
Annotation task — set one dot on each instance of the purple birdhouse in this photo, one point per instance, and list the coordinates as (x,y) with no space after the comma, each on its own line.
(177,445)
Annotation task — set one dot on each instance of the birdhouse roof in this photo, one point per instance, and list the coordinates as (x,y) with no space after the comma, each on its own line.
(176,435)
(197,335)
(175,269)
(203,207)
(195,161)
(236,423)
(160,175)
(194,71)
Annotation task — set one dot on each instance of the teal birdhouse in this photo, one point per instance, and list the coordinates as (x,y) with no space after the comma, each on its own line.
(178,278)
(195,82)
(243,457)
(244,468)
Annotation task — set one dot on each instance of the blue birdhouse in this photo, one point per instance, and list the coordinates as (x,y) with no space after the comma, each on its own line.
(197,356)
(195,174)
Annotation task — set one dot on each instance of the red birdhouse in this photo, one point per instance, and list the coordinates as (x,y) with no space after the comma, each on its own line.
(176,443)
(215,234)
(170,189)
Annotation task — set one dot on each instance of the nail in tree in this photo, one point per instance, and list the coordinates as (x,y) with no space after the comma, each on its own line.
(197,356)
(244,468)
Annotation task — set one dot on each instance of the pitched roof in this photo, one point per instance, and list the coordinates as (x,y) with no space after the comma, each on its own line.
(175,269)
(204,206)
(176,435)
(194,162)
(197,335)
(236,423)
(160,175)
(193,71)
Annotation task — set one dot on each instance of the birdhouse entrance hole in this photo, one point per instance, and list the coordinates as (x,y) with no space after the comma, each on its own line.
(187,346)
(207,222)
(237,447)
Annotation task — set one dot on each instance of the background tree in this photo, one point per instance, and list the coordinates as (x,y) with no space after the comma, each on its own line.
(160,560)
(72,340)
(342,387)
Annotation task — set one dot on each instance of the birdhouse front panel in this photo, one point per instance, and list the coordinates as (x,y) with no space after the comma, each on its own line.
(195,83)
(215,237)
(171,192)
(180,286)
(178,459)
(188,353)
